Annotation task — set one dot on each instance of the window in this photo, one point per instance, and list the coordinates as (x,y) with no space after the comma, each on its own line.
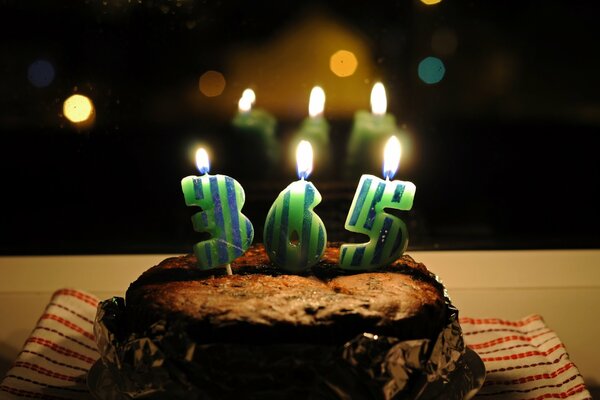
(497,105)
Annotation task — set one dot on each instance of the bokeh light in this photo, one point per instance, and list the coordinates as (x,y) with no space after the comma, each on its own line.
(212,83)
(248,98)
(444,42)
(40,73)
(343,63)
(431,70)
(430,2)
(316,102)
(78,108)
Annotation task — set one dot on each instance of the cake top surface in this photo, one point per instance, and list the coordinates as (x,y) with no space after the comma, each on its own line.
(260,301)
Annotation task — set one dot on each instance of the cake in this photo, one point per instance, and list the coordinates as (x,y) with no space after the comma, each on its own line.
(264,334)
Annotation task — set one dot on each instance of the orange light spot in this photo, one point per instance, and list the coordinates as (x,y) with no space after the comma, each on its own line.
(212,83)
(343,63)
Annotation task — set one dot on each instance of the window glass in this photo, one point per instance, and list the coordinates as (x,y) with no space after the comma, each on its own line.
(103,104)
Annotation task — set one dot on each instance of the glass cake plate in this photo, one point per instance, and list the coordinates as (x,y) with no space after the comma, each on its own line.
(464,384)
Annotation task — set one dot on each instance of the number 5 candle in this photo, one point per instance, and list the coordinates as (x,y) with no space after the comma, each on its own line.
(294,235)
(388,234)
(221,199)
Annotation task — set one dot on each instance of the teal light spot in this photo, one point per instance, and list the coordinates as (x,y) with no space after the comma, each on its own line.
(431,70)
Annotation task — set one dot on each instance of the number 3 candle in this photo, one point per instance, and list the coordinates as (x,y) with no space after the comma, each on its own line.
(221,199)
(387,233)
(294,235)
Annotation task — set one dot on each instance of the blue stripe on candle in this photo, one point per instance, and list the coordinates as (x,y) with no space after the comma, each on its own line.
(198,192)
(269,238)
(235,220)
(207,251)
(376,199)
(249,232)
(218,212)
(398,193)
(362,195)
(343,254)
(321,239)
(358,256)
(204,217)
(281,255)
(309,196)
(381,240)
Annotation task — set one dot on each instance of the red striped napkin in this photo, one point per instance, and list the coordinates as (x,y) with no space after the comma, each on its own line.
(57,355)
(524,359)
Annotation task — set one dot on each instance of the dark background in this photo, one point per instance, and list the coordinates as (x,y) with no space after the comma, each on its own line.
(504,148)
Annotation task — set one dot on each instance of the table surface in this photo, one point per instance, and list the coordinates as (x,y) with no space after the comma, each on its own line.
(563,286)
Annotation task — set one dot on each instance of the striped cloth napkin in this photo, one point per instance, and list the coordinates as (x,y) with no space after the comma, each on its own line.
(524,359)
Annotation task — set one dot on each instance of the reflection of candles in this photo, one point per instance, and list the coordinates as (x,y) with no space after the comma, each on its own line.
(315,129)
(254,135)
(369,131)
(221,199)
(388,234)
(294,235)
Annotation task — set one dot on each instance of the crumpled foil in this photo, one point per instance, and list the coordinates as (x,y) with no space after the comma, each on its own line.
(165,363)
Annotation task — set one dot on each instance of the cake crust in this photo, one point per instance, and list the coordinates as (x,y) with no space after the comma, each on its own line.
(261,304)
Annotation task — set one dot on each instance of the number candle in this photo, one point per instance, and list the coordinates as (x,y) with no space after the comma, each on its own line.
(294,236)
(254,131)
(315,129)
(369,132)
(221,199)
(388,234)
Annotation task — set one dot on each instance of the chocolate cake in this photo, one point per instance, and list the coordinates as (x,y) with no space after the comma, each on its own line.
(261,333)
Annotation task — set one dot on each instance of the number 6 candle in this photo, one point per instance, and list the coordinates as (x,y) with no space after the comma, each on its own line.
(294,235)
(221,199)
(388,234)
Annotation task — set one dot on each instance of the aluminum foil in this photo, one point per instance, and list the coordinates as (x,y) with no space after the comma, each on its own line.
(166,363)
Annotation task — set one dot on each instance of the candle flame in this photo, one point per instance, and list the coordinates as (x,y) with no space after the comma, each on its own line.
(202,161)
(316,104)
(248,98)
(391,157)
(378,99)
(304,159)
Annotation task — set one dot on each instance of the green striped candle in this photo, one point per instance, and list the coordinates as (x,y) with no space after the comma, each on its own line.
(388,234)
(294,236)
(221,199)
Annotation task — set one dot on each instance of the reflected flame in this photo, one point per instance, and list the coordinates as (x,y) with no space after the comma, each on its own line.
(248,98)
(391,157)
(304,159)
(378,99)
(202,161)
(316,104)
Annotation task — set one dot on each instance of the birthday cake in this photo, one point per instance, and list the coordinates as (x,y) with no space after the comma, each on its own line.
(260,333)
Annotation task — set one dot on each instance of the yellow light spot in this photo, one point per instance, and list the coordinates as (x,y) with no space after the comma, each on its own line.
(78,108)
(343,63)
(212,83)
(431,2)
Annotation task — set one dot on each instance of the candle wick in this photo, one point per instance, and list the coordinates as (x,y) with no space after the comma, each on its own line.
(228,268)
